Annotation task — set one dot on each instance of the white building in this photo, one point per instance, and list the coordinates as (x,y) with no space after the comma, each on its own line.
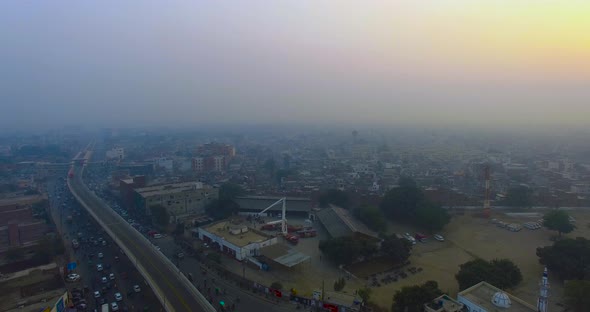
(235,239)
(484,297)
(164,163)
(116,153)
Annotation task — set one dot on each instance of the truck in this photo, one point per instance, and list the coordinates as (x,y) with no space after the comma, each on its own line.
(292,238)
(105,307)
(269,227)
(307,233)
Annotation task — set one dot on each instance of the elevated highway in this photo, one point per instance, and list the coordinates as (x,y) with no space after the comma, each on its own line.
(173,289)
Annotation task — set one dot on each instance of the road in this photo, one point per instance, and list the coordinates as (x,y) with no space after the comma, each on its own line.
(63,204)
(163,277)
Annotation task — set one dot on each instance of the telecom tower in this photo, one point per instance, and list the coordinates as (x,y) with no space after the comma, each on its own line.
(486,201)
(542,303)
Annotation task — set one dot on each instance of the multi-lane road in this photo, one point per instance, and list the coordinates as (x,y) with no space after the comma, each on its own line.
(164,279)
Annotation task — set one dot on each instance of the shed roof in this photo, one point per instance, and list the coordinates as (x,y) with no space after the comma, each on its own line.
(339,222)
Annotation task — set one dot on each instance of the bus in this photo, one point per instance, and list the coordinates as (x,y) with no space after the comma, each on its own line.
(105,307)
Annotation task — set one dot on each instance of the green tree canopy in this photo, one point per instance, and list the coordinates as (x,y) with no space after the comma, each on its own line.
(520,196)
(365,294)
(221,209)
(335,197)
(372,217)
(431,217)
(229,191)
(413,298)
(160,215)
(501,273)
(569,258)
(558,220)
(577,295)
(345,250)
(397,250)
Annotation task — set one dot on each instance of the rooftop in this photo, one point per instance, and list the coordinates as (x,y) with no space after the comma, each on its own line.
(482,293)
(221,229)
(284,255)
(339,222)
(443,303)
(172,188)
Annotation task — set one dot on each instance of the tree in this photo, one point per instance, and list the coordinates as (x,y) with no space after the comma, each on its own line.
(345,250)
(334,196)
(229,191)
(569,258)
(401,202)
(372,217)
(160,215)
(397,250)
(558,220)
(221,208)
(339,284)
(519,196)
(365,294)
(577,295)
(431,217)
(413,298)
(501,273)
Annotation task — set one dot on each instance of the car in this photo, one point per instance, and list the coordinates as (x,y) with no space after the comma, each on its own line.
(118,297)
(114,306)
(157,236)
(117,259)
(73,277)
(96,294)
(112,276)
(104,280)
(136,288)
(157,247)
(99,267)
(100,255)
(179,254)
(439,237)
(104,243)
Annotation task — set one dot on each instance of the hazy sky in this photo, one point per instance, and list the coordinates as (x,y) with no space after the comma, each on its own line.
(489,62)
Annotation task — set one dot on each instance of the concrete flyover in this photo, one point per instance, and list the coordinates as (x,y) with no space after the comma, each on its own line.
(171,287)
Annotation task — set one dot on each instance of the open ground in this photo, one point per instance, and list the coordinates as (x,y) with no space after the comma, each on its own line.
(467,237)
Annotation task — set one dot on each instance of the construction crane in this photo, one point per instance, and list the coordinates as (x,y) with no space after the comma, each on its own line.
(486,201)
(283,220)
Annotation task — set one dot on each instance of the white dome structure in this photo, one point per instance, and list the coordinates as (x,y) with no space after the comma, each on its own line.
(501,300)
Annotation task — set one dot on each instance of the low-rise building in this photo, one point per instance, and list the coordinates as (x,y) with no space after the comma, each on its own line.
(179,199)
(444,303)
(484,297)
(116,153)
(340,223)
(235,238)
(295,206)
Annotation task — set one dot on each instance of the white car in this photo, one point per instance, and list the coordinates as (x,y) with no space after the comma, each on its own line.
(99,267)
(136,288)
(104,280)
(112,276)
(118,297)
(439,237)
(97,294)
(100,255)
(156,236)
(114,306)
(157,247)
(73,277)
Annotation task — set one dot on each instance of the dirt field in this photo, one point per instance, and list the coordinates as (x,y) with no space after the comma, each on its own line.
(466,236)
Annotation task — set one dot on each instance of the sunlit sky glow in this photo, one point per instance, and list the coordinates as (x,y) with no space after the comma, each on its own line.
(487,62)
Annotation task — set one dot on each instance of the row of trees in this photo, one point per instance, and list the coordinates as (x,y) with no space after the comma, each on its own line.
(346,250)
(501,273)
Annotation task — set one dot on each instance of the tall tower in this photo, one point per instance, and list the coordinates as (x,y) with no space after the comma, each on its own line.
(486,201)
(542,304)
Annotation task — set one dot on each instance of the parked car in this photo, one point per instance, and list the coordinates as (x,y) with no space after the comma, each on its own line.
(73,277)
(100,255)
(439,237)
(99,267)
(114,306)
(112,276)
(97,294)
(136,288)
(104,280)
(118,297)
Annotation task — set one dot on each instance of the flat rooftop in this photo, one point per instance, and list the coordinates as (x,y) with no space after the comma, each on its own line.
(221,229)
(284,255)
(481,294)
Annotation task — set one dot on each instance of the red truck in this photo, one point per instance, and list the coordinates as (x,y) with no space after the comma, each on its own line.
(292,238)
(294,228)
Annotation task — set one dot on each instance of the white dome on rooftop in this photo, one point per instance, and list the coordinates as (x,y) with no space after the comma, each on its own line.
(501,300)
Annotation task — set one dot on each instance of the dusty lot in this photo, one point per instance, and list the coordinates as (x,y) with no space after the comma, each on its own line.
(466,236)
